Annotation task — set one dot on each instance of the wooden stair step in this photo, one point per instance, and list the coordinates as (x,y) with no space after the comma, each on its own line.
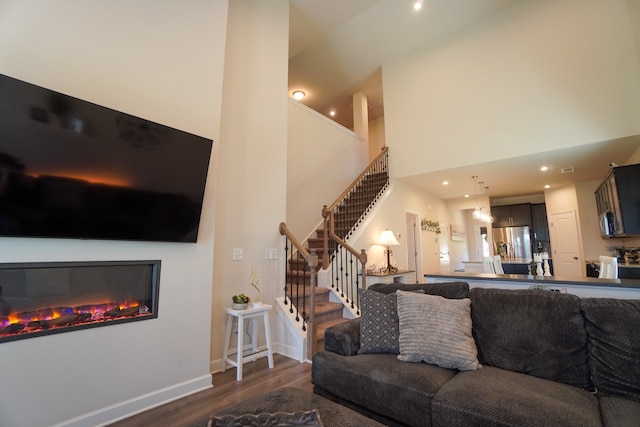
(327,311)
(296,292)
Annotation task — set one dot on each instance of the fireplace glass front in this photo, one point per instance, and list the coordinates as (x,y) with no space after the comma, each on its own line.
(45,298)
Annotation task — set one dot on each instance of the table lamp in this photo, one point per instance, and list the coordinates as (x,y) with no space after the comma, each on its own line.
(387,239)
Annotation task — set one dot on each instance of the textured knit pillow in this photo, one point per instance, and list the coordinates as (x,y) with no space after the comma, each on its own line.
(436,330)
(379,323)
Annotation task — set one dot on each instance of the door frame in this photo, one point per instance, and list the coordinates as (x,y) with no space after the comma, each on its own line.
(413,236)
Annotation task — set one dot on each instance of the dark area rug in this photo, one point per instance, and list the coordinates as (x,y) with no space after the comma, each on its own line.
(294,400)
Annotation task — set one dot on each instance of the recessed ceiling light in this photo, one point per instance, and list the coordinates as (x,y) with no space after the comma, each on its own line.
(547,186)
(417,5)
(298,94)
(544,168)
(332,112)
(466,196)
(445,182)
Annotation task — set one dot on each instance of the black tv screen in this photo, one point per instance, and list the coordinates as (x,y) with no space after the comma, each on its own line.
(73,169)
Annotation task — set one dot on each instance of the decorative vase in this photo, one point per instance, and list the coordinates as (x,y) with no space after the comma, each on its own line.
(239,306)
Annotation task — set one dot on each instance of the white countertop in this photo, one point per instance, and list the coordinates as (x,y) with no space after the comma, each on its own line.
(506,261)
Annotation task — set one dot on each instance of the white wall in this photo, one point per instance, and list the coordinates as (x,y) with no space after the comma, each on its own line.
(376,137)
(390,213)
(162,61)
(323,159)
(542,75)
(251,158)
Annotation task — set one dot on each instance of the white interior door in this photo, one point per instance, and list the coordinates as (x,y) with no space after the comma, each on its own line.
(413,244)
(565,241)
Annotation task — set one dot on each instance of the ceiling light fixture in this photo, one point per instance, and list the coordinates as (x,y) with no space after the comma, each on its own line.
(298,94)
(445,182)
(332,112)
(544,168)
(479,213)
(417,5)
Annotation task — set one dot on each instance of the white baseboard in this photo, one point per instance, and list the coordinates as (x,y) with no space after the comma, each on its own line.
(128,408)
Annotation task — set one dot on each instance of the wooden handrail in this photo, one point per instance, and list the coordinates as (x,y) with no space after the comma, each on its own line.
(299,246)
(332,206)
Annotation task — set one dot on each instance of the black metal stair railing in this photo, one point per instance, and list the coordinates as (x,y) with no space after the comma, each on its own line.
(301,269)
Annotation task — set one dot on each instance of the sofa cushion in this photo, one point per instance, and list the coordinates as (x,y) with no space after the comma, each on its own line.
(436,330)
(379,331)
(535,332)
(613,331)
(619,412)
(381,384)
(453,290)
(497,397)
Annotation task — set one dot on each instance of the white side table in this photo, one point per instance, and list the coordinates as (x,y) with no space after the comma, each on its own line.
(253,312)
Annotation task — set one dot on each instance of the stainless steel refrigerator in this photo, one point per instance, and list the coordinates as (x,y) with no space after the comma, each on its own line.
(513,242)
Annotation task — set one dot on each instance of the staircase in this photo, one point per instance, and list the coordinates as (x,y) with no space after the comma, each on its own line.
(327,313)
(342,218)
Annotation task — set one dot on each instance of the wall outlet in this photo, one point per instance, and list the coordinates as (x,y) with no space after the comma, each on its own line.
(237,254)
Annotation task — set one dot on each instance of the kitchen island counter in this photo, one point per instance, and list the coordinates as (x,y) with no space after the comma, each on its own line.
(581,286)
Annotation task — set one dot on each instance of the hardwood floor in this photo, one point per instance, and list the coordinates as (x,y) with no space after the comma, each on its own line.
(257,379)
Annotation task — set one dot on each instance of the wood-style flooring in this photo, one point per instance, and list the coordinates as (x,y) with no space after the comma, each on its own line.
(257,378)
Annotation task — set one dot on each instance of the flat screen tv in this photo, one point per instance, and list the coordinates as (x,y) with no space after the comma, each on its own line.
(73,169)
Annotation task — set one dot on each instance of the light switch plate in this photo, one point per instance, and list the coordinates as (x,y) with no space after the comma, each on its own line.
(271,253)
(237,254)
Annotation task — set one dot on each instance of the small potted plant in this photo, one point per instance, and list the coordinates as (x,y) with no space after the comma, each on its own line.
(239,302)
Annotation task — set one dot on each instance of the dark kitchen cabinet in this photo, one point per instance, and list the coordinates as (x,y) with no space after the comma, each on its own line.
(539,224)
(618,202)
(511,215)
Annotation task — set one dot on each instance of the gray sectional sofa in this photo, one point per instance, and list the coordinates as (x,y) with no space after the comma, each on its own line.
(543,358)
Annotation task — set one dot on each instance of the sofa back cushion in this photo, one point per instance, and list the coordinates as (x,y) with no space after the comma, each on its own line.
(454,290)
(535,332)
(613,334)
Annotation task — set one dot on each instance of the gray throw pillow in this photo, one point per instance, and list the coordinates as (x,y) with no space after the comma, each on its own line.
(379,323)
(436,330)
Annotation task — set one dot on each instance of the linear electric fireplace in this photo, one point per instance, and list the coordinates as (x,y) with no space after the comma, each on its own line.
(41,298)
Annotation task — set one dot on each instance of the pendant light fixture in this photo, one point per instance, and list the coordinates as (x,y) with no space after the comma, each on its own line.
(479,213)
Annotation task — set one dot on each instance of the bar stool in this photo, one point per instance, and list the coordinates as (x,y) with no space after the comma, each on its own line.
(252,313)
(487,263)
(608,267)
(497,264)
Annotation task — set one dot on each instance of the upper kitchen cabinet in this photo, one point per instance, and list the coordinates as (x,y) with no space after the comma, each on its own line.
(618,202)
(511,215)
(539,223)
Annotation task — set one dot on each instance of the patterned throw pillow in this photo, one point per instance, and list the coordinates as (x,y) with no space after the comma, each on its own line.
(379,323)
(436,330)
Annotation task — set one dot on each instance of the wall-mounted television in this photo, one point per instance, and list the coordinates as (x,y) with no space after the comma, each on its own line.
(73,169)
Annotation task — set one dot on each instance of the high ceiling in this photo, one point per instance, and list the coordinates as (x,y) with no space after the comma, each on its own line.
(337,48)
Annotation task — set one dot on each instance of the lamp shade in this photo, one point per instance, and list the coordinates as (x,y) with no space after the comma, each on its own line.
(387,239)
